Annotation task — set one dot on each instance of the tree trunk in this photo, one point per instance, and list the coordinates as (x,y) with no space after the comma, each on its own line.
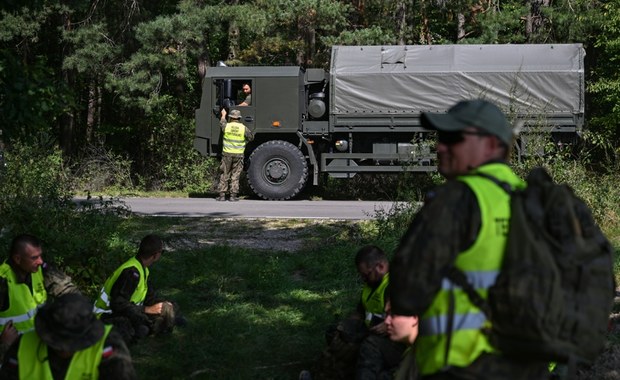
(233,36)
(460,34)
(306,26)
(401,21)
(67,121)
(535,22)
(425,34)
(91,112)
(233,40)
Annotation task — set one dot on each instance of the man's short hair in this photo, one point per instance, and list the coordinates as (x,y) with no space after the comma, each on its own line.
(19,243)
(370,254)
(150,245)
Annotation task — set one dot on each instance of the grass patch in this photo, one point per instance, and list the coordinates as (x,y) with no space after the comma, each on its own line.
(254,311)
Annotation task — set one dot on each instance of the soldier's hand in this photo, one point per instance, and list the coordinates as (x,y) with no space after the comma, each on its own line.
(154,309)
(223,113)
(9,335)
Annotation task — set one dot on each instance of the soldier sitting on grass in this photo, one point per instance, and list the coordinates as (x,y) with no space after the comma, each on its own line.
(26,283)
(359,346)
(128,301)
(68,342)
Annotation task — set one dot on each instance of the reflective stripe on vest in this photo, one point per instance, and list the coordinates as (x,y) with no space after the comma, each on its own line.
(234,138)
(480,263)
(23,303)
(102,304)
(84,364)
(478,279)
(373,300)
(439,324)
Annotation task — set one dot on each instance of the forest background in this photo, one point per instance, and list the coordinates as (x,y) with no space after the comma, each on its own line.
(114,84)
(99,96)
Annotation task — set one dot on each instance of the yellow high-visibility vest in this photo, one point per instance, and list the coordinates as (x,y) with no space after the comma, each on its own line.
(33,363)
(23,303)
(373,300)
(102,304)
(481,264)
(234,138)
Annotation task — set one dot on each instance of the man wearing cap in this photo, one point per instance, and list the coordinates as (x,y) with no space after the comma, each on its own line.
(26,282)
(235,135)
(68,342)
(463,224)
(128,300)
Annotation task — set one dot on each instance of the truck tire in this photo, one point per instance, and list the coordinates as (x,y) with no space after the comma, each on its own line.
(278,170)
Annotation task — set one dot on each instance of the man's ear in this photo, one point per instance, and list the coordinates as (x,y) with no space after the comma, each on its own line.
(383,266)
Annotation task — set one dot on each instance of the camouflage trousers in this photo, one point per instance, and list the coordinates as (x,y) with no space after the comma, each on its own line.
(134,330)
(353,353)
(230,170)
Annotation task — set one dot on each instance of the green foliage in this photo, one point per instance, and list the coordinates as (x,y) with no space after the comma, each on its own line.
(169,159)
(373,35)
(75,73)
(94,51)
(35,198)
(31,99)
(605,79)
(101,169)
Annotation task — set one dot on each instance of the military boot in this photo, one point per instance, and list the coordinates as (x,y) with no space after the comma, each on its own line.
(221,198)
(233,197)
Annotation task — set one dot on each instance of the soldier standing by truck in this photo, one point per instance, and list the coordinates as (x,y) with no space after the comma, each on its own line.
(235,135)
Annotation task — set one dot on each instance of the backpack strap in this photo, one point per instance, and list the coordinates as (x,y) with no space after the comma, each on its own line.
(458,277)
(503,185)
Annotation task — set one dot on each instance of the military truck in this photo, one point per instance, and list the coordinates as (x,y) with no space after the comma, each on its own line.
(363,116)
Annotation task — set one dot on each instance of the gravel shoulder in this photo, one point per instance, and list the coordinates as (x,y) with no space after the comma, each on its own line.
(289,235)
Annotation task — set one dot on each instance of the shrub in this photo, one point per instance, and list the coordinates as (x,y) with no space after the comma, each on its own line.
(35,198)
(99,169)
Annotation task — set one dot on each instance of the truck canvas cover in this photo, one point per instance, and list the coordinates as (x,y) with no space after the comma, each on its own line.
(522,79)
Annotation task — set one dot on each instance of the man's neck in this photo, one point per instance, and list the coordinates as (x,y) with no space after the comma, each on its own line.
(21,275)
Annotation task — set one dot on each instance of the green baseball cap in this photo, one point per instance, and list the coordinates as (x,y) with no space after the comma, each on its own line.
(476,113)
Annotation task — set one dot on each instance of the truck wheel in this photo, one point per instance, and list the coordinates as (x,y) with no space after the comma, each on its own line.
(278,170)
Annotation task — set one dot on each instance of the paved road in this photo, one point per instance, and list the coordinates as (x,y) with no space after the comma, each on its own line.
(304,209)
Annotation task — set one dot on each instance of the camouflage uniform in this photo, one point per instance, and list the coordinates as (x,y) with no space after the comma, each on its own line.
(230,168)
(447,225)
(57,283)
(354,352)
(130,319)
(338,360)
(231,165)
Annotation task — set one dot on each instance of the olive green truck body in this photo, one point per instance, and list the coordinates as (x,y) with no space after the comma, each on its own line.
(364,114)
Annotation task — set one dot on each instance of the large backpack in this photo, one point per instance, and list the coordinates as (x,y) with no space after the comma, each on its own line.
(553,296)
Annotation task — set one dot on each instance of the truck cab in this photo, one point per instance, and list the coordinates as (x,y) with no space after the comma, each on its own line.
(278,165)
